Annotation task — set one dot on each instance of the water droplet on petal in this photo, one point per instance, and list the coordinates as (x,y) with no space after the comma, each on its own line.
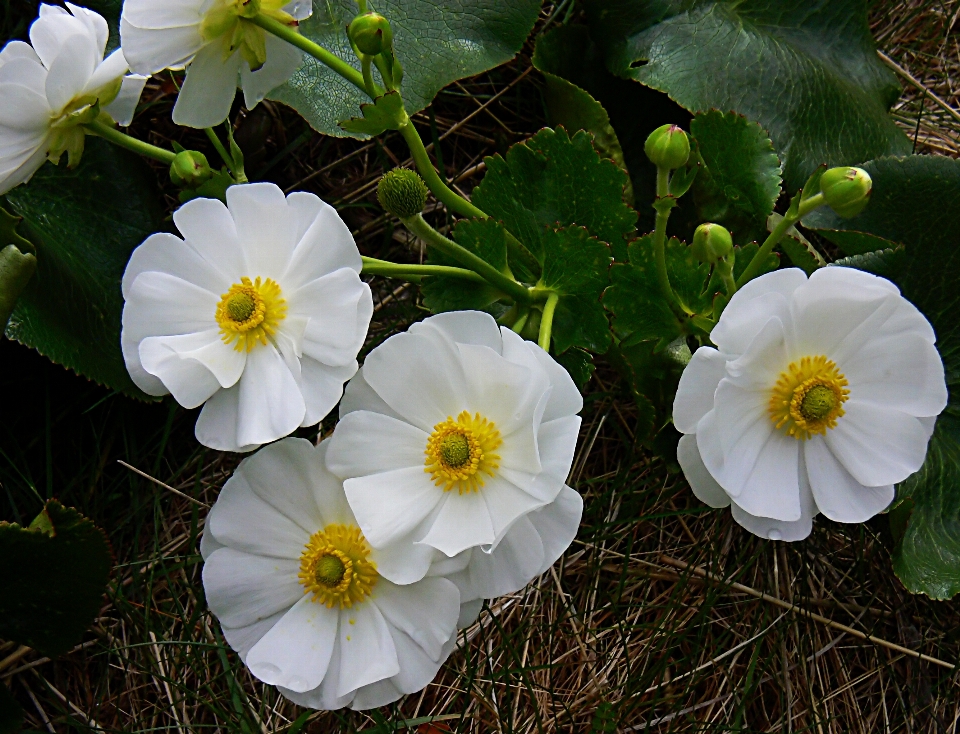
(775,534)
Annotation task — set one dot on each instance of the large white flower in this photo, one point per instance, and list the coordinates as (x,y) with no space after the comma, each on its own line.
(454,442)
(821,395)
(297,590)
(50,88)
(219,47)
(259,312)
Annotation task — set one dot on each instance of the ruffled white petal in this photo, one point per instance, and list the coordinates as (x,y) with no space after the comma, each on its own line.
(322,387)
(208,228)
(125,104)
(752,306)
(266,227)
(217,425)
(192,366)
(367,652)
(838,495)
(426,612)
(463,522)
(242,589)
(209,88)
(787,530)
(698,383)
(702,483)
(399,445)
(270,402)
(509,567)
(283,61)
(391,504)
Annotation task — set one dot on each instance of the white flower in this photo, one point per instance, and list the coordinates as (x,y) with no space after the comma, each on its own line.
(297,590)
(259,312)
(217,44)
(50,88)
(454,442)
(821,395)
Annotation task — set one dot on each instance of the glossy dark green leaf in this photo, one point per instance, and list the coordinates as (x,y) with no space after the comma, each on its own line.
(483,237)
(554,180)
(53,575)
(579,363)
(85,223)
(916,203)
(575,265)
(382,114)
(16,269)
(436,43)
(569,105)
(806,70)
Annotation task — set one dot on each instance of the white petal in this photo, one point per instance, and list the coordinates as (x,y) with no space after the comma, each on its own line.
(51,29)
(405,561)
(24,109)
(24,171)
(557,524)
(426,611)
(766,358)
(242,639)
(878,446)
(463,521)
(299,9)
(305,207)
(417,668)
(130,348)
(295,653)
(168,14)
(283,60)
(751,307)
(125,103)
(208,91)
(271,405)
(772,529)
(285,475)
(167,253)
(70,70)
(367,653)
(217,424)
(324,696)
(95,23)
(565,398)
(191,366)
(375,695)
(339,307)
(462,327)
(368,443)
(241,520)
(150,50)
(208,228)
(266,227)
(702,483)
(358,395)
(107,71)
(509,567)
(18,50)
(469,611)
(162,304)
(209,544)
(391,504)
(557,443)
(242,589)
(698,383)
(322,387)
(903,373)
(838,495)
(324,242)
(773,486)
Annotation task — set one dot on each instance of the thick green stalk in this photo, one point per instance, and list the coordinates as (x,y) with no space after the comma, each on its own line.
(372,266)
(546,321)
(123,140)
(494,277)
(663,205)
(221,151)
(321,54)
(797,211)
(366,65)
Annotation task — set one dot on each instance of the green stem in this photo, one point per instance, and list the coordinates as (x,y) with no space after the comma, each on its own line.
(521,320)
(372,266)
(704,324)
(663,205)
(221,151)
(546,321)
(366,65)
(799,208)
(321,54)
(494,277)
(130,143)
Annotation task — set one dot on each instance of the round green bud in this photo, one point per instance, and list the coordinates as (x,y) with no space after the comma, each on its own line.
(402,193)
(668,147)
(711,243)
(190,169)
(846,190)
(371,33)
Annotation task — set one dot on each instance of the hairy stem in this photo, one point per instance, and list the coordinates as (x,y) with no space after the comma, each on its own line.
(366,65)
(663,205)
(546,321)
(123,140)
(799,208)
(372,266)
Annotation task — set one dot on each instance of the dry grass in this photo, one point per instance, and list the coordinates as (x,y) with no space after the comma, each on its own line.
(635,629)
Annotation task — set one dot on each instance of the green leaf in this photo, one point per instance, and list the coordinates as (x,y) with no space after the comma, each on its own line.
(85,223)
(553,180)
(916,202)
(569,105)
(483,237)
(579,363)
(16,269)
(384,114)
(741,163)
(436,43)
(798,248)
(640,311)
(575,265)
(11,715)
(53,575)
(806,70)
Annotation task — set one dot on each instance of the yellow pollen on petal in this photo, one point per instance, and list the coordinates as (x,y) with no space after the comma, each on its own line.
(335,566)
(250,312)
(460,451)
(808,398)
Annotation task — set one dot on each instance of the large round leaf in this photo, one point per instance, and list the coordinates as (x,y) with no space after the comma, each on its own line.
(436,43)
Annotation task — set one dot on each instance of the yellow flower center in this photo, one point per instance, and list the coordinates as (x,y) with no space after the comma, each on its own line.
(335,567)
(250,312)
(459,451)
(808,398)
(228,21)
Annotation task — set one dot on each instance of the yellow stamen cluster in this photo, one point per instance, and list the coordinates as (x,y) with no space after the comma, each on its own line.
(459,451)
(335,567)
(808,398)
(250,312)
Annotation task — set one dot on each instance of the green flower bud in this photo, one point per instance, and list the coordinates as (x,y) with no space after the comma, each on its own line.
(371,33)
(846,190)
(668,147)
(711,243)
(402,193)
(190,169)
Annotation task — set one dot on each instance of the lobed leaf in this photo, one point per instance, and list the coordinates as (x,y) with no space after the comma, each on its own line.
(483,237)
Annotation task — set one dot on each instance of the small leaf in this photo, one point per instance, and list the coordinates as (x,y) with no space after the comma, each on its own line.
(53,576)
(798,248)
(483,237)
(16,269)
(385,113)
(554,180)
(579,363)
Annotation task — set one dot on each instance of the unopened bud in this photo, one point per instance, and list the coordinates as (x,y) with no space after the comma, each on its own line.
(402,193)
(668,147)
(711,243)
(371,33)
(190,169)
(846,190)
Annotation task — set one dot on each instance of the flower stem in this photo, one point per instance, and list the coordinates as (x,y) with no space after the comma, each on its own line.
(494,277)
(116,137)
(318,52)
(372,266)
(366,63)
(221,151)
(521,320)
(663,205)
(546,321)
